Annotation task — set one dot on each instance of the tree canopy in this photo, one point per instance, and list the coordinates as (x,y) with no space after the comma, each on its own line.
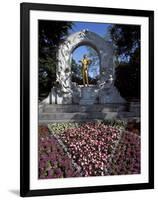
(51,33)
(126,39)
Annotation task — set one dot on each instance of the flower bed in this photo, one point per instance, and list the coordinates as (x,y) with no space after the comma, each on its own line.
(98,149)
(60,127)
(53,161)
(91,145)
(126,158)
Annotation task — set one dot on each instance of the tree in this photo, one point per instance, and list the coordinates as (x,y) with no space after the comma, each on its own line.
(76,71)
(128,80)
(126,39)
(93,55)
(51,33)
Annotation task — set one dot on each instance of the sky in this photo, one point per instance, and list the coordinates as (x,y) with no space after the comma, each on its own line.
(98,28)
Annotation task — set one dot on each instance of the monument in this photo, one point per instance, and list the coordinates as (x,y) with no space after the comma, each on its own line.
(68,92)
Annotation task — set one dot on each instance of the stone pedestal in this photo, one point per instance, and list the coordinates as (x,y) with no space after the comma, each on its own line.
(64,98)
(110,95)
(88,96)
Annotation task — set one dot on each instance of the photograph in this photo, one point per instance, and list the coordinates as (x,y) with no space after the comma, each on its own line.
(87,88)
(89,99)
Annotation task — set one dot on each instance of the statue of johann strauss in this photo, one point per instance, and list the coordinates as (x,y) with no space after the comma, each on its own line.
(85,63)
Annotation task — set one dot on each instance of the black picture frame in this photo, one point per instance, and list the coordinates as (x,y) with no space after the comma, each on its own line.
(25,9)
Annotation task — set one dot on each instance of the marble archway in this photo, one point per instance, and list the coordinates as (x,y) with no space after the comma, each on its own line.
(84,37)
(104,92)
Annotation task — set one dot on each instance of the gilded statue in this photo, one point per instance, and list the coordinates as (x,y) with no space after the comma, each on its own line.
(85,64)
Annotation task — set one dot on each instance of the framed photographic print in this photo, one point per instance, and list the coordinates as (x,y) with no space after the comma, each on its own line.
(87,99)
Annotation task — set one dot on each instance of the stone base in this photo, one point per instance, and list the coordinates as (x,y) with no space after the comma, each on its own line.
(51,98)
(56,97)
(89,96)
(62,113)
(85,96)
(64,99)
(110,95)
(86,102)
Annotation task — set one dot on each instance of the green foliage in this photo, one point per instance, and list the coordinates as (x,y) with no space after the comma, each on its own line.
(115,123)
(93,55)
(76,70)
(51,33)
(128,80)
(60,127)
(126,39)
(47,76)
